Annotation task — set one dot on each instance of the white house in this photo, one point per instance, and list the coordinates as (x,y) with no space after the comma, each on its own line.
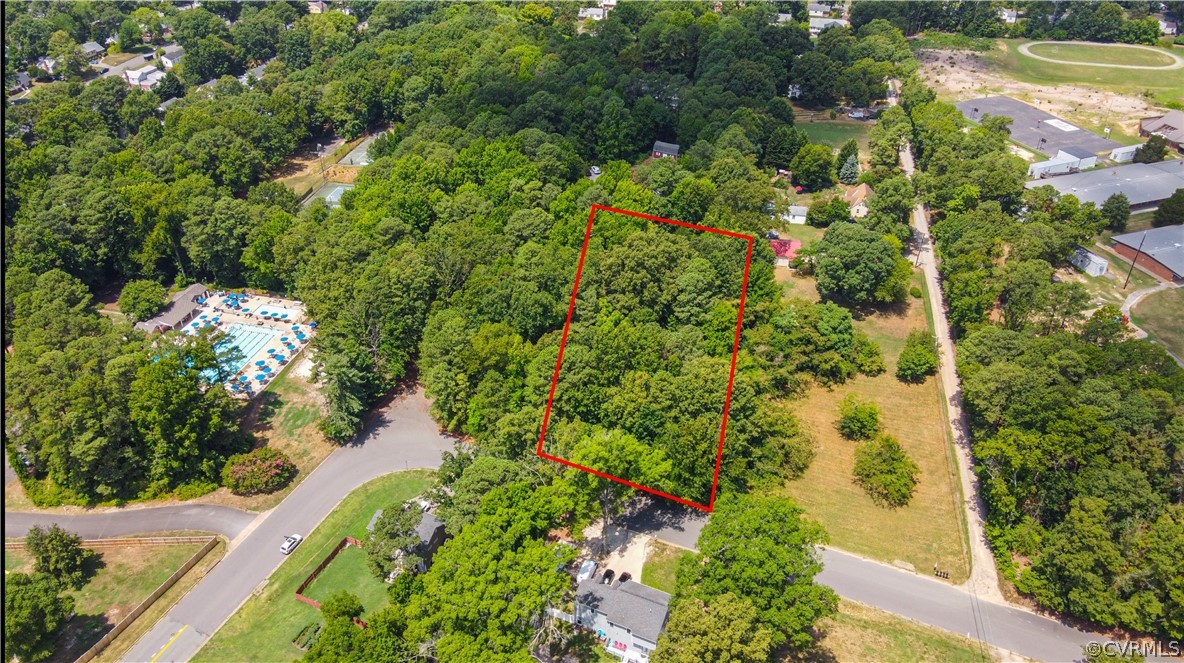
(857,199)
(594,13)
(1089,262)
(1068,160)
(817,25)
(144,78)
(608,5)
(171,57)
(784,18)
(1123,154)
(1008,15)
(1167,27)
(795,215)
(48,65)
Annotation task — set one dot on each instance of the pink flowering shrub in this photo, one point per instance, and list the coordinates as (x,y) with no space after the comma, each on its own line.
(264,470)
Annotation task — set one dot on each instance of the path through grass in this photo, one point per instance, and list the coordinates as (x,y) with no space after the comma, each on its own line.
(1102,54)
(264,627)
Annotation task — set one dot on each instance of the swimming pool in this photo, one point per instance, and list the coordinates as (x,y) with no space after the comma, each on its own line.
(250,340)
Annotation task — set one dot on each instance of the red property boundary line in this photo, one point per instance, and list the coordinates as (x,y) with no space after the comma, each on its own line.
(723,429)
(346,541)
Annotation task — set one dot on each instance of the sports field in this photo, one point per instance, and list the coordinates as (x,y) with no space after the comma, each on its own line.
(1102,54)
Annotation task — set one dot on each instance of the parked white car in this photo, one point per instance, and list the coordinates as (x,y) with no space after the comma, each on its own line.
(290,543)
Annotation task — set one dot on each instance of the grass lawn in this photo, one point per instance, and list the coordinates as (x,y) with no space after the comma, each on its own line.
(927,531)
(133,633)
(661,562)
(1161,315)
(836,132)
(1102,54)
(125,577)
(264,627)
(862,633)
(349,572)
(17,561)
(1164,85)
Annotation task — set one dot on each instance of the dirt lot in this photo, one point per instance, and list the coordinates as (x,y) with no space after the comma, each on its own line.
(958,75)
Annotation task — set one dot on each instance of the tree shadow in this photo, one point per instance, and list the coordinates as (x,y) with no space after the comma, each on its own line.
(77,636)
(91,566)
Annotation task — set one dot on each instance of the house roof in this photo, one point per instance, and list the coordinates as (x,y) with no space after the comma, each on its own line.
(824,23)
(92,47)
(427,527)
(1169,125)
(1142,183)
(815,7)
(166,103)
(858,194)
(798,210)
(173,53)
(784,18)
(785,248)
(1165,244)
(665,148)
(179,308)
(23,79)
(595,13)
(629,604)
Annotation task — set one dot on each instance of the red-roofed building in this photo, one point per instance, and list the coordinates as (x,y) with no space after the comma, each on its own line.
(785,250)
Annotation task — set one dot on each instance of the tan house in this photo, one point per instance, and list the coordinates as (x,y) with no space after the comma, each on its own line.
(857,199)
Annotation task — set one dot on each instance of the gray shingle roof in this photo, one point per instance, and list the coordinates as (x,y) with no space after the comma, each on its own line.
(665,148)
(1170,125)
(427,527)
(632,605)
(1165,244)
(1142,183)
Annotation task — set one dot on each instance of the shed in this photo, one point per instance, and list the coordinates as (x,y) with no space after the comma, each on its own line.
(171,57)
(795,215)
(1123,154)
(1089,262)
(662,150)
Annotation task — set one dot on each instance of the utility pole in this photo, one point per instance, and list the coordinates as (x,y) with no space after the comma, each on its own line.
(1138,252)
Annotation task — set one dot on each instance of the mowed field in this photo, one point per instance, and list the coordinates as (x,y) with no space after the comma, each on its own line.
(1164,85)
(1102,54)
(1161,315)
(264,627)
(929,530)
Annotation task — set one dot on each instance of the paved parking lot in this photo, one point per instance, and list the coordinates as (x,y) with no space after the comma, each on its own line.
(1031,125)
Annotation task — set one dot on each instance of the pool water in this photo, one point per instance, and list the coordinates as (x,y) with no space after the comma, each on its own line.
(249,340)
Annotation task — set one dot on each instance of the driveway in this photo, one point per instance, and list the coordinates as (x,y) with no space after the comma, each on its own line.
(134,63)
(402,437)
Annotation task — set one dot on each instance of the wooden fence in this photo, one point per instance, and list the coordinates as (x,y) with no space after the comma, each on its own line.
(124,623)
(17,544)
(346,541)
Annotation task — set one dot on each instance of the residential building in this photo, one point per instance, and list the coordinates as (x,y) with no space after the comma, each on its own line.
(594,13)
(318,7)
(48,65)
(1143,184)
(817,25)
(1169,125)
(21,82)
(627,616)
(662,150)
(1089,262)
(817,10)
(1008,15)
(785,250)
(171,57)
(1124,154)
(179,311)
(857,198)
(164,105)
(93,51)
(1068,160)
(796,215)
(255,73)
(144,78)
(1158,250)
(608,5)
(1168,27)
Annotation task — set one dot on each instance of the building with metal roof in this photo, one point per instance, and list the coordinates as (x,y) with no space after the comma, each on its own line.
(1158,250)
(1145,184)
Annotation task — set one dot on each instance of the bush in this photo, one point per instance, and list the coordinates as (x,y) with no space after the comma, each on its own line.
(858,419)
(308,636)
(915,292)
(866,355)
(885,472)
(919,357)
(264,470)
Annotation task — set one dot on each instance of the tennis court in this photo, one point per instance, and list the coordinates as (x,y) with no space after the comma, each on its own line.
(250,340)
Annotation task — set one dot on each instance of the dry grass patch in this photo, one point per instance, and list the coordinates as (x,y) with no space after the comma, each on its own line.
(929,530)
(1161,315)
(860,633)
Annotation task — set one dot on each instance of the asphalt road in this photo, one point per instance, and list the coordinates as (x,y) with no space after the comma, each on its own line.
(134,63)
(199,517)
(901,592)
(403,437)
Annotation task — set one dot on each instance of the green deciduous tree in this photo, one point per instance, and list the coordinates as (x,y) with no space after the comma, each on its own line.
(1170,211)
(60,555)
(1153,151)
(858,419)
(918,360)
(34,610)
(727,629)
(885,472)
(1117,211)
(142,299)
(813,167)
(853,263)
(393,544)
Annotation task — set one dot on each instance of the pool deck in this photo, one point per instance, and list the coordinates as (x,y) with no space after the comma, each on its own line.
(248,315)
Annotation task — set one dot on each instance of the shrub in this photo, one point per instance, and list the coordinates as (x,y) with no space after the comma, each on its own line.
(866,355)
(915,292)
(264,470)
(858,419)
(885,472)
(919,357)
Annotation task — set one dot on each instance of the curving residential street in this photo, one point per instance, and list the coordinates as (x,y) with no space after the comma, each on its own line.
(198,517)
